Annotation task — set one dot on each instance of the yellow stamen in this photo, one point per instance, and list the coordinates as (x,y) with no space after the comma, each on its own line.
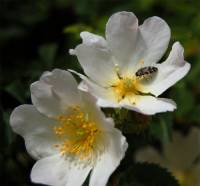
(126,86)
(77,132)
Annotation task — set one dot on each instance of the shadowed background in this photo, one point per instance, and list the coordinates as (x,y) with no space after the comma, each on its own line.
(35,37)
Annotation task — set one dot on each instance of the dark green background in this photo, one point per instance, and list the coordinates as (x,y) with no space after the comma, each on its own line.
(35,36)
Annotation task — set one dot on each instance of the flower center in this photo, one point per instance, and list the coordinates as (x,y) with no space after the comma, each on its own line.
(126,86)
(77,132)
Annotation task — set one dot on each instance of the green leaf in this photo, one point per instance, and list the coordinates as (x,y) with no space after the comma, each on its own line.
(11,32)
(161,127)
(47,54)
(7,131)
(194,115)
(146,174)
(77,28)
(16,89)
(146,4)
(193,76)
(184,99)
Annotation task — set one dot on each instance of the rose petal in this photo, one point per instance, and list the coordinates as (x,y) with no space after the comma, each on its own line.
(169,72)
(109,161)
(36,129)
(58,171)
(96,60)
(149,105)
(54,92)
(121,34)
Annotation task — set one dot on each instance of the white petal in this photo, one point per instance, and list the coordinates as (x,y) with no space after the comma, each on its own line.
(90,97)
(44,99)
(155,34)
(121,34)
(150,155)
(97,63)
(64,85)
(95,113)
(72,52)
(110,160)
(54,92)
(96,90)
(149,105)
(169,72)
(93,40)
(153,39)
(182,152)
(145,104)
(107,103)
(105,97)
(132,44)
(36,129)
(58,171)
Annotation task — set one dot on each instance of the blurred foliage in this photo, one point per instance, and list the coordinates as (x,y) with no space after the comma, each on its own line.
(35,37)
(141,174)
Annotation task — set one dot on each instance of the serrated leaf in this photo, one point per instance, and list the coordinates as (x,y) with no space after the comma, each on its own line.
(147,174)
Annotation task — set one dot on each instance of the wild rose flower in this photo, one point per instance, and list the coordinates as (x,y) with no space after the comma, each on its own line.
(122,71)
(181,157)
(67,133)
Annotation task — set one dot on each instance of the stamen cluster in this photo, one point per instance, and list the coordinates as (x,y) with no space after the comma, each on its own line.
(77,132)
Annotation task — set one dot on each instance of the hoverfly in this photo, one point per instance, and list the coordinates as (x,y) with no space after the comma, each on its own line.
(146,72)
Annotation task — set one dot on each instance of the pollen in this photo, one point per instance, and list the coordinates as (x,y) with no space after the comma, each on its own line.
(126,86)
(77,133)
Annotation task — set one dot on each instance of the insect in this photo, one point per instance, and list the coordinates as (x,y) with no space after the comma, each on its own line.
(146,72)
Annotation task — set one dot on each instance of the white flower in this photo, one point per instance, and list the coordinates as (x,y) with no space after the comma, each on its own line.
(181,157)
(112,64)
(67,133)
